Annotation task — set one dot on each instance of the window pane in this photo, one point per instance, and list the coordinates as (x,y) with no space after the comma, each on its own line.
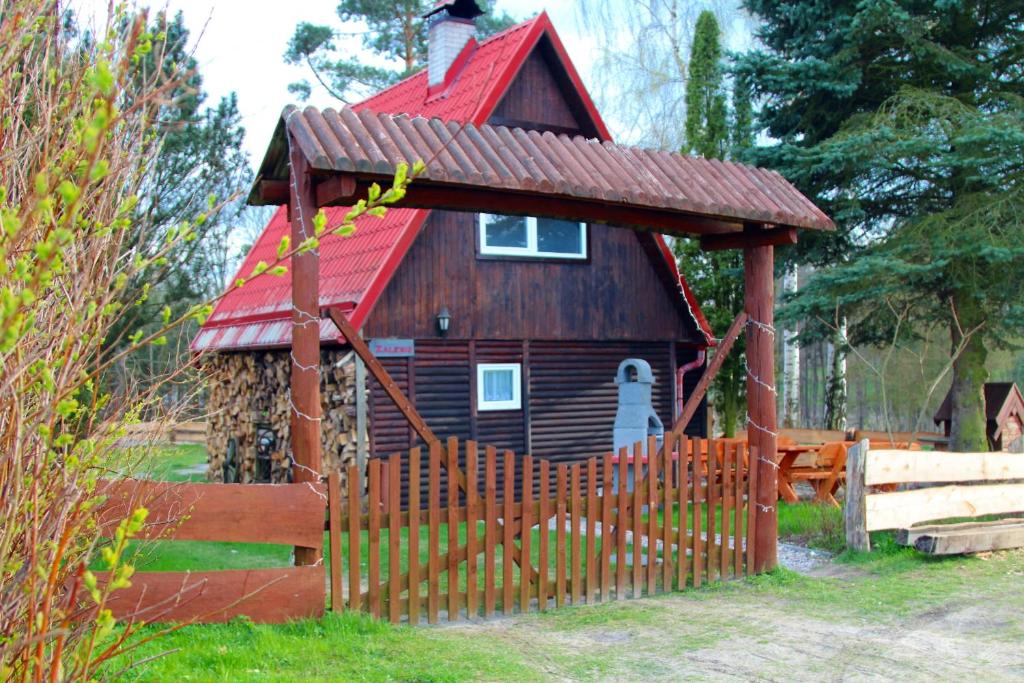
(559,237)
(505,231)
(498,385)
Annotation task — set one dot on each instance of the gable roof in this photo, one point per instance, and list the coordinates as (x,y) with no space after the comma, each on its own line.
(354,271)
(1002,399)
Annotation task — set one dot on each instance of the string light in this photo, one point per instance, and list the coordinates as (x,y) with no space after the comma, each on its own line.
(758,380)
(304,368)
(301,414)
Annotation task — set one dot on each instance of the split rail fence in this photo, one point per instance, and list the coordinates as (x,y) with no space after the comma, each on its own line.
(286,514)
(551,534)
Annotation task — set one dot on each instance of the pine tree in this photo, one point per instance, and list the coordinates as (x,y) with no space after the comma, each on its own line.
(395,33)
(716,277)
(904,121)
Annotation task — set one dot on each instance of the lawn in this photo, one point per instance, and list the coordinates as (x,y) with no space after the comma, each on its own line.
(889,614)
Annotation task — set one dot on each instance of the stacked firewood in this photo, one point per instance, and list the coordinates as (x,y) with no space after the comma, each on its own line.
(249,393)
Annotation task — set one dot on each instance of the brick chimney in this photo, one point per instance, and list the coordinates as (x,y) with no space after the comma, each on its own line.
(451,27)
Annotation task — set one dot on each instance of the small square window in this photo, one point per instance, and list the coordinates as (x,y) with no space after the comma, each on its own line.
(505,232)
(559,237)
(499,386)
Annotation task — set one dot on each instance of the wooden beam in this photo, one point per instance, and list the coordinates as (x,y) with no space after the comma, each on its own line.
(273,192)
(335,189)
(382,376)
(305,366)
(764,238)
(910,536)
(906,508)
(885,466)
(422,194)
(986,537)
(710,371)
(762,428)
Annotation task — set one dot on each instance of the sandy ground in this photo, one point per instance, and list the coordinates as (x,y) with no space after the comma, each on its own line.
(749,635)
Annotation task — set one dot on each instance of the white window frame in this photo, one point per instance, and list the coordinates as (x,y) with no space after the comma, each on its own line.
(531,250)
(517,381)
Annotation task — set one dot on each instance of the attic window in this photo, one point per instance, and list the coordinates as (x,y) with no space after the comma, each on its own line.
(532,237)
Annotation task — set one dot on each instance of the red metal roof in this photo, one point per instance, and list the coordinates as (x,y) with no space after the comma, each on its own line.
(355,270)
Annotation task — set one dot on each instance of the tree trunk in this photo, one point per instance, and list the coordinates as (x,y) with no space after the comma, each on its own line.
(790,361)
(967,394)
(835,392)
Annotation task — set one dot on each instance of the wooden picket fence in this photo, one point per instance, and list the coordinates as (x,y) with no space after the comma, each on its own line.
(549,535)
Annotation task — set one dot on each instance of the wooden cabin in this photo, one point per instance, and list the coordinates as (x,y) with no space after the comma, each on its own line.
(503,329)
(1004,411)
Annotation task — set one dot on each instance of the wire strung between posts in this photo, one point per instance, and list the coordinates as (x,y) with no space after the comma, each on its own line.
(760,428)
(309,318)
(301,414)
(764,327)
(758,380)
(304,368)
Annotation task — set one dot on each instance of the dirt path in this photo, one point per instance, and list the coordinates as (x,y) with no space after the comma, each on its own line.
(790,628)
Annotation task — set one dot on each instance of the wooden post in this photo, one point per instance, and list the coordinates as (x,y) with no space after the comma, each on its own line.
(362,440)
(305,368)
(758,262)
(857,537)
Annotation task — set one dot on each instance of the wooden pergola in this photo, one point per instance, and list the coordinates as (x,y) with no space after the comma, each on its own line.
(329,158)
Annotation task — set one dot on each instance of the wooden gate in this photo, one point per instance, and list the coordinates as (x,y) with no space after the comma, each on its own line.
(597,530)
(286,514)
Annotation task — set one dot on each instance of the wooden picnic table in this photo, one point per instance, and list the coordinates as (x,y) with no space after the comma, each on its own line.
(788,453)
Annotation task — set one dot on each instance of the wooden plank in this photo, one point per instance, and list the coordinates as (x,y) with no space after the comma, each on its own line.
(712,511)
(385,380)
(434,533)
(909,536)
(334,538)
(622,523)
(607,495)
(974,538)
(267,596)
(508,535)
(653,472)
(751,510)
(525,535)
(592,513)
(354,540)
(636,505)
(415,456)
(473,502)
(667,504)
(906,508)
(292,514)
(885,466)
(545,534)
(777,237)
(575,537)
(697,395)
(453,530)
(374,538)
(683,563)
(738,517)
(491,528)
(394,538)
(854,514)
(560,550)
(726,482)
(698,544)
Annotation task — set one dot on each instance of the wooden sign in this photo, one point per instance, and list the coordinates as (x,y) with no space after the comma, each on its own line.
(393,348)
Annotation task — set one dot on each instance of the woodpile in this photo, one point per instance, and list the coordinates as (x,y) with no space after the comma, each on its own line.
(249,391)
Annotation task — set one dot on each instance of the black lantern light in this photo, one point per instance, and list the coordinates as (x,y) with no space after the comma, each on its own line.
(444,320)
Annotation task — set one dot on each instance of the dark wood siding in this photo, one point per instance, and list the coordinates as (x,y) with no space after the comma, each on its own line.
(616,294)
(534,100)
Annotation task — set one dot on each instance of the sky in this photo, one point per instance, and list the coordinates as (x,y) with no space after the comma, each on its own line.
(239,46)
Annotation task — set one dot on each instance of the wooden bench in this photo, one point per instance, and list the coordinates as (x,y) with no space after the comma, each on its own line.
(826,474)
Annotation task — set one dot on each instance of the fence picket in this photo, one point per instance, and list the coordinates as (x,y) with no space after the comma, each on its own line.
(452,547)
(434,533)
(726,483)
(592,569)
(683,493)
(354,540)
(374,532)
(621,522)
(636,503)
(653,471)
(560,549)
(508,578)
(491,528)
(334,538)
(575,539)
(698,499)
(544,530)
(752,467)
(668,501)
(414,535)
(525,536)
(472,505)
(737,528)
(712,510)
(606,526)
(394,538)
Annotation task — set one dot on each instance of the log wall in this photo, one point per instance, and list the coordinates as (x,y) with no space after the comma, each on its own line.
(250,388)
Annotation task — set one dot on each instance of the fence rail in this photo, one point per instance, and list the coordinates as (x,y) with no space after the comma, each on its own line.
(600,529)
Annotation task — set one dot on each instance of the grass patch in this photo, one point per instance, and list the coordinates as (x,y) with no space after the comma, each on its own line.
(812,525)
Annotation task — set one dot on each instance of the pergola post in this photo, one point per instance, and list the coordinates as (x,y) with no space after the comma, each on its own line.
(758,266)
(305,367)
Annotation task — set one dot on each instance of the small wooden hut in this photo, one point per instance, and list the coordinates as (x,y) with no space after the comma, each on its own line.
(1004,411)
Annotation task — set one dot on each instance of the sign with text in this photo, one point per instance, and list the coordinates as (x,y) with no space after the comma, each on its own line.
(392,348)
